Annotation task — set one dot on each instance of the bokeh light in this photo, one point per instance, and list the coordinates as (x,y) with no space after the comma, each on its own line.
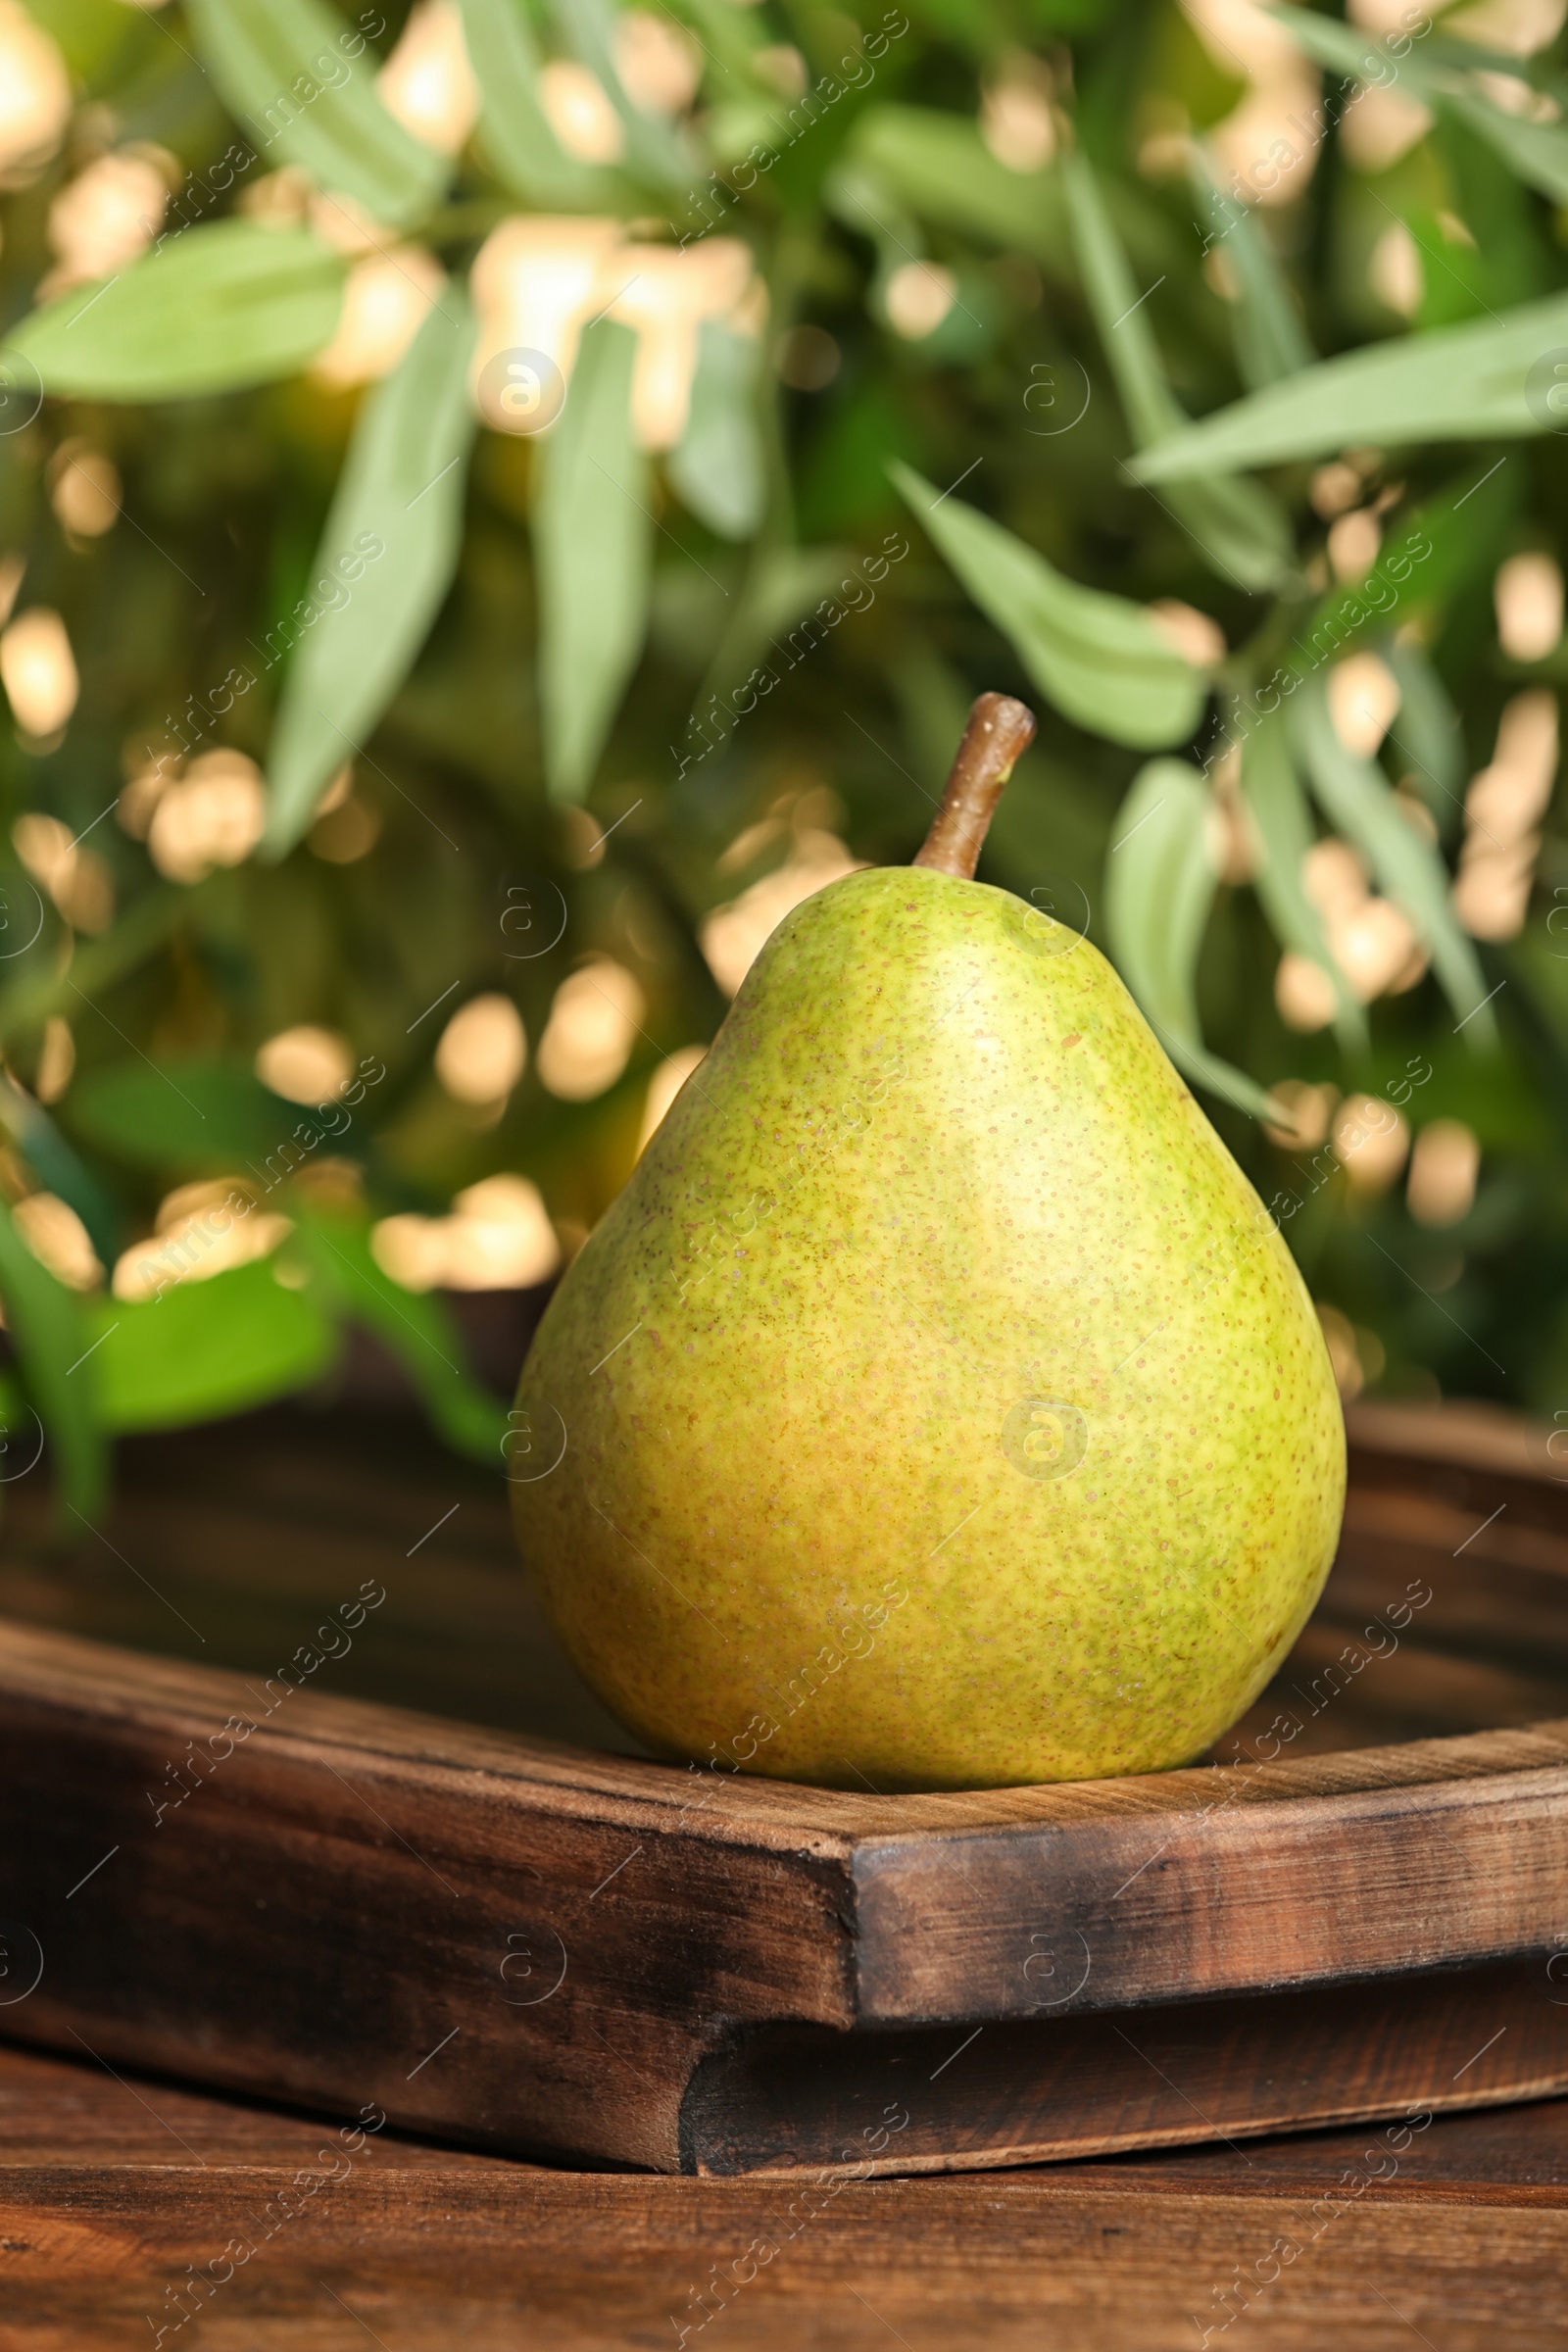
(1374,945)
(1303,993)
(1371,1139)
(105,216)
(1240,35)
(667,295)
(1016,122)
(427,82)
(1528,595)
(1335,488)
(84,489)
(579,112)
(591,1030)
(211,816)
(1195,635)
(34,95)
(1443,1166)
(305,1065)
(1363,697)
(1310,1109)
(500,1237)
(918,297)
(58,1240)
(76,878)
(483,1051)
(1384,124)
(734,935)
(39,671)
(1353,542)
(1502,807)
(497,1237)
(203,1229)
(657,62)
(386,298)
(782,66)
(536,280)
(57,1060)
(1394,272)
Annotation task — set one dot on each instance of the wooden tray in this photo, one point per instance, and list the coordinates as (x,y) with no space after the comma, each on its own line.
(568,1950)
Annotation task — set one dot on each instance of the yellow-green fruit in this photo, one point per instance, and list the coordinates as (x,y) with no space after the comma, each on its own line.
(940,1407)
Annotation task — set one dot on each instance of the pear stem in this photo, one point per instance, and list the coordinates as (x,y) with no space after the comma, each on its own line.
(1000,731)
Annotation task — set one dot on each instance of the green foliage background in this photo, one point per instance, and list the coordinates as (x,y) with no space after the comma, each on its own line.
(477,672)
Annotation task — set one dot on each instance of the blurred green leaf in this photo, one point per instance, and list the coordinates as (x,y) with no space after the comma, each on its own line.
(731,37)
(592,542)
(1356,798)
(1117,303)
(217,309)
(514,131)
(1351,49)
(653,151)
(388,554)
(937,163)
(1444,77)
(1535,152)
(1098,658)
(1459,384)
(303,83)
(1160,887)
(189,1115)
(52,1331)
(414,1326)
(1277,805)
(58,1167)
(207,1347)
(1271,342)
(868,204)
(1426,735)
(1511,257)
(717,466)
(1239,530)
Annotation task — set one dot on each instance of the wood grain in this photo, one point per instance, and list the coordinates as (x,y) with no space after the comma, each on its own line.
(964,2097)
(1226,1880)
(110,2188)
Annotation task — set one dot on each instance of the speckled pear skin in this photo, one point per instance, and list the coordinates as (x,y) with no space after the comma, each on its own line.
(940,1407)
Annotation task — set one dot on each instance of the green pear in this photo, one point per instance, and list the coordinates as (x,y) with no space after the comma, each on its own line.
(937,1406)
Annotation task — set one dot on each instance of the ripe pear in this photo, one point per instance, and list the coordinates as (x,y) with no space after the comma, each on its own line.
(937,1406)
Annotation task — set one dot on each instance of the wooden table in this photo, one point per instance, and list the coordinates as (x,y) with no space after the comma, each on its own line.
(111,2186)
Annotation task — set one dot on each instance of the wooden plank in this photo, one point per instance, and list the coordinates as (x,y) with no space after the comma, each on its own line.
(1460,1438)
(114,2194)
(965,2097)
(1389,1859)
(356,1903)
